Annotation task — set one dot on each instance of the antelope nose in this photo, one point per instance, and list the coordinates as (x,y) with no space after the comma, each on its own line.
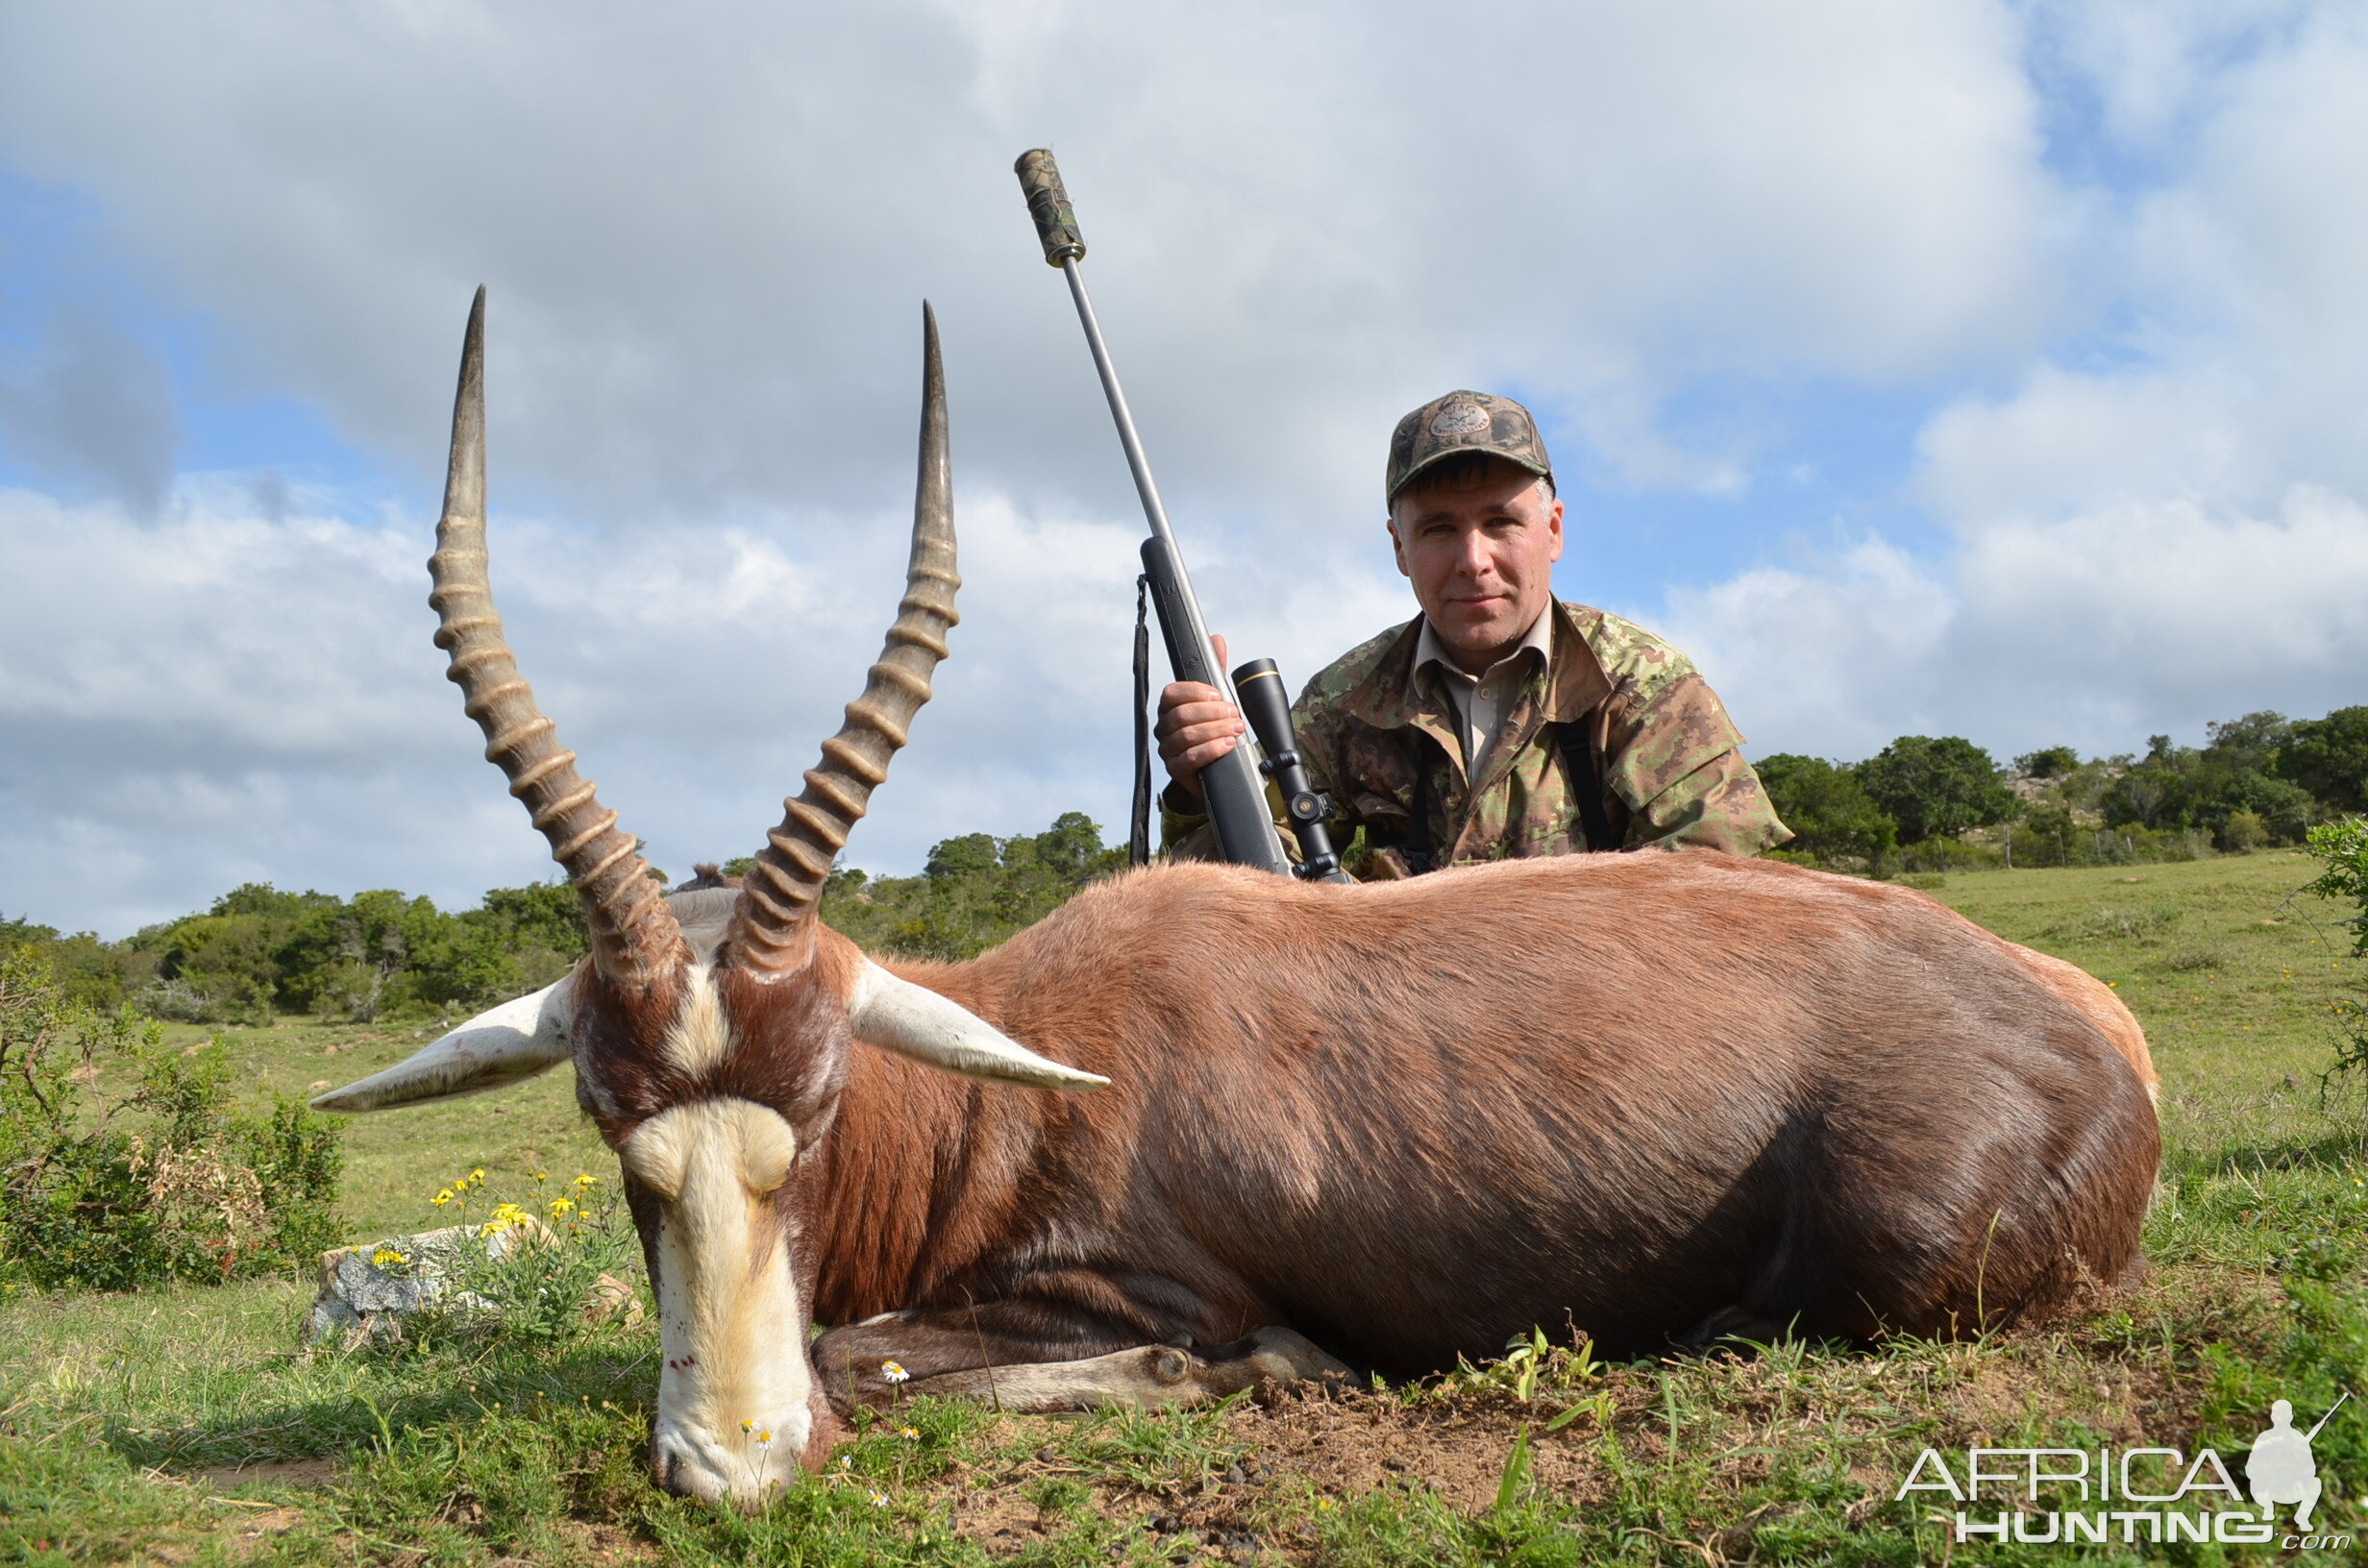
(680,1473)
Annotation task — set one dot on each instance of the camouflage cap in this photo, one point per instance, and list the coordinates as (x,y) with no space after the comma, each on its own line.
(1465,422)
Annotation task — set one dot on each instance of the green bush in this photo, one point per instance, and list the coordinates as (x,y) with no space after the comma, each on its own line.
(523,1266)
(2328,757)
(2341,849)
(975,891)
(2048,762)
(2183,788)
(1938,854)
(1833,817)
(122,1164)
(1937,788)
(383,954)
(2243,832)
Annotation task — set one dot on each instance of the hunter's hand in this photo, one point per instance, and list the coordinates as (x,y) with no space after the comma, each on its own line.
(1197,724)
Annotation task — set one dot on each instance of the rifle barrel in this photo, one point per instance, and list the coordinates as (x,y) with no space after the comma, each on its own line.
(1232,785)
(1154,511)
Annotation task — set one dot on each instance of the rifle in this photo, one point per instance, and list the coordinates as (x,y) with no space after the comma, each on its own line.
(1232,785)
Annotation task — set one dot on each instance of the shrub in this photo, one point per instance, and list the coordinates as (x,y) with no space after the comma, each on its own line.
(1938,854)
(2048,762)
(1832,816)
(2341,849)
(122,1163)
(1936,788)
(975,891)
(2045,837)
(2181,788)
(2243,831)
(535,1266)
(2328,757)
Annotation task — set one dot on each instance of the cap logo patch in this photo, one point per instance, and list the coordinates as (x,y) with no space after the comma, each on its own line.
(1460,419)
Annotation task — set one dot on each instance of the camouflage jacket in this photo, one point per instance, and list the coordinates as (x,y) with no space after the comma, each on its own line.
(1665,753)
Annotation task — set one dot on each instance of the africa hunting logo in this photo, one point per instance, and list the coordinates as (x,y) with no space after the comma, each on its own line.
(2131,1497)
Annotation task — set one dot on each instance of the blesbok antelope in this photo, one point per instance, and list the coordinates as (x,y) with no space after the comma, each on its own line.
(1644,1097)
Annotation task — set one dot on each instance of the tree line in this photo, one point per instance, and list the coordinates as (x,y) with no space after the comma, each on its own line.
(258,952)
(2261,779)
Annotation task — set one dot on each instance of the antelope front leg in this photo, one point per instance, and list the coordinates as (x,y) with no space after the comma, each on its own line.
(1145,1377)
(861,1369)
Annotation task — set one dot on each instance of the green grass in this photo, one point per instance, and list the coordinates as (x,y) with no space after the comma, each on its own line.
(2232,974)
(395,1161)
(185,1425)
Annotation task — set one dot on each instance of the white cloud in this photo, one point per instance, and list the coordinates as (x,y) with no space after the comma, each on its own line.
(2097,629)
(2166,525)
(706,229)
(208,698)
(2244,363)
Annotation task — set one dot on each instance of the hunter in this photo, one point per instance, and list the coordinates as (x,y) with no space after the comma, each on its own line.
(1500,723)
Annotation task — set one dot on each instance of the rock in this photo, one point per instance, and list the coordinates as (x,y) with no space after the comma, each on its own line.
(359,1301)
(611,1299)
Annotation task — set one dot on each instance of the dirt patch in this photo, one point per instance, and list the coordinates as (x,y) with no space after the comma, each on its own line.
(1346,1444)
(602,1546)
(230,1478)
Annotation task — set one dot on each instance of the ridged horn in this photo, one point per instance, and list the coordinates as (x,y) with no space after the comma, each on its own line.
(772,920)
(634,936)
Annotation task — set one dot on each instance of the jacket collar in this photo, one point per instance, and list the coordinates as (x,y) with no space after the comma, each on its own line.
(1390,698)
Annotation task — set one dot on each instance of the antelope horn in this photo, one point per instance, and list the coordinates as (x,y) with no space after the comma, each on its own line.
(772,923)
(633,932)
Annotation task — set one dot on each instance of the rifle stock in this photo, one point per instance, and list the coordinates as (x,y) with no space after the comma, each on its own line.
(1231,786)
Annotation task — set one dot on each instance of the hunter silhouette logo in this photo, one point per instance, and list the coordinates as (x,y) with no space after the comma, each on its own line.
(2282,1468)
(2149,1494)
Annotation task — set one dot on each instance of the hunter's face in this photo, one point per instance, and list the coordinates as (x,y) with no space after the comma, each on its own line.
(1481,557)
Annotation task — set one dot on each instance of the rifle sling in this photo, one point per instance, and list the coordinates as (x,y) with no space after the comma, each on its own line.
(1577,749)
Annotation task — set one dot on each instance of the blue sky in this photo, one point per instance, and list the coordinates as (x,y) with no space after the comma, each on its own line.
(1970,368)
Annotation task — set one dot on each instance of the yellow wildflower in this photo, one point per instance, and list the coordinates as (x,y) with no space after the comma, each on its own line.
(506,1216)
(388,1258)
(560,1206)
(442,1198)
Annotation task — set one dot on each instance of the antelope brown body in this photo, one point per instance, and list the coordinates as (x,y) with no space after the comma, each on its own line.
(1644,1097)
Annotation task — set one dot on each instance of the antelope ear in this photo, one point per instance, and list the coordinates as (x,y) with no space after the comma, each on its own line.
(912,1021)
(503,1045)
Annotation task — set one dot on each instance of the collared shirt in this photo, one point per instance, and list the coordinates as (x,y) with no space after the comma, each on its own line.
(1482,702)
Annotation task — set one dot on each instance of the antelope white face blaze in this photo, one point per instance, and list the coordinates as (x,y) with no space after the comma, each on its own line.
(736,1397)
(699,1037)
